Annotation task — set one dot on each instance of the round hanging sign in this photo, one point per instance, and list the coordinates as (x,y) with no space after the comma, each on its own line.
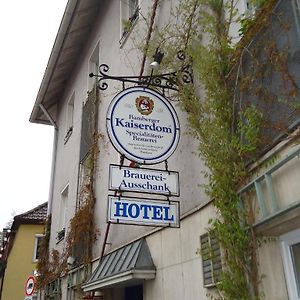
(143,125)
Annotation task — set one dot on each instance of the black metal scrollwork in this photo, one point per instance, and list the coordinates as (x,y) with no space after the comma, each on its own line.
(169,80)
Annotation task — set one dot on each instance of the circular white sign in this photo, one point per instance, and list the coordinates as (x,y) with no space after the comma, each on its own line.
(29,286)
(143,125)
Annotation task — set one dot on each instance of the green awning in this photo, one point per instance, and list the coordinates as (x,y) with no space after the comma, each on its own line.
(128,265)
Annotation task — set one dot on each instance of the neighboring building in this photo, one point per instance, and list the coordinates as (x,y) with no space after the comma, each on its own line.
(20,252)
(3,239)
(143,262)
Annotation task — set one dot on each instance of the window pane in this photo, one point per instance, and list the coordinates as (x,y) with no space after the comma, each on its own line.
(295,250)
(133,4)
(38,246)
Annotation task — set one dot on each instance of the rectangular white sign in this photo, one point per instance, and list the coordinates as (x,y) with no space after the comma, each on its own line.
(139,211)
(143,180)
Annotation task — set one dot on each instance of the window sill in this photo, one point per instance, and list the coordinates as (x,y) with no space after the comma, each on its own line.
(210,285)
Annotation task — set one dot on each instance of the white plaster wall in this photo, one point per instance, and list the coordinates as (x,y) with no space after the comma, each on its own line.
(122,61)
(179,271)
(271,268)
(179,268)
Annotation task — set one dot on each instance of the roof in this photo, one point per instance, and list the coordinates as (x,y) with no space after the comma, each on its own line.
(36,215)
(74,30)
(129,264)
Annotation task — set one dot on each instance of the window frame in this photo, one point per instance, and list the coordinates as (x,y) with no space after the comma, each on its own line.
(74,279)
(37,236)
(93,67)
(64,196)
(212,249)
(128,16)
(70,117)
(287,240)
(53,290)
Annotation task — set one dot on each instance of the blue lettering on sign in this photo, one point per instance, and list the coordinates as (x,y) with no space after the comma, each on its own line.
(145,209)
(121,207)
(131,124)
(166,211)
(155,212)
(133,210)
(145,186)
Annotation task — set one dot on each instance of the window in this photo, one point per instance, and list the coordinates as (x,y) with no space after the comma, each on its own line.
(75,279)
(53,290)
(88,124)
(211,259)
(63,213)
(251,6)
(37,244)
(84,179)
(69,118)
(129,16)
(290,243)
(132,7)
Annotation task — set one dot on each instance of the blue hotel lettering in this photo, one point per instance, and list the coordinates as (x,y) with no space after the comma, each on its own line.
(148,212)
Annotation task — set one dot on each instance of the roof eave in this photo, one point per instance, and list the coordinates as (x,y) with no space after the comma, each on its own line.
(53,59)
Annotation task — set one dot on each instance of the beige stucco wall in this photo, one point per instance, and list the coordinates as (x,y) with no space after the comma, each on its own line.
(20,262)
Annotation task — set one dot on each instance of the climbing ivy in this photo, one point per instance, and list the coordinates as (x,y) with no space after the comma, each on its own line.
(230,136)
(82,232)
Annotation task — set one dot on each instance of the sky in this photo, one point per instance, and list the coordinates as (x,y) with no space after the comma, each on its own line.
(27,31)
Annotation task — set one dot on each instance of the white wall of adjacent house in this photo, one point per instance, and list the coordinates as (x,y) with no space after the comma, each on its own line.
(283,225)
(173,249)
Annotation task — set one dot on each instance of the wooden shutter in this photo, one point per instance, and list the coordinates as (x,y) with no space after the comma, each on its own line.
(211,259)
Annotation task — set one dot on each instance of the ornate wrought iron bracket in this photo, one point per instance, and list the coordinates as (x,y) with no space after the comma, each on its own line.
(169,80)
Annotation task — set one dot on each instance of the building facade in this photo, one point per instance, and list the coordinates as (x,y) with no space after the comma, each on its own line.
(20,251)
(145,262)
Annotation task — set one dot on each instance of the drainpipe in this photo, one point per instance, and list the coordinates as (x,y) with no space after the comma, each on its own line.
(53,164)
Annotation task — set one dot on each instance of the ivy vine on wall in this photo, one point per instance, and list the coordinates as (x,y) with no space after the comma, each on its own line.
(233,56)
(81,233)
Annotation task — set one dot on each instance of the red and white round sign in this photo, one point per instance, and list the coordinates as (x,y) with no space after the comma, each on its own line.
(30,286)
